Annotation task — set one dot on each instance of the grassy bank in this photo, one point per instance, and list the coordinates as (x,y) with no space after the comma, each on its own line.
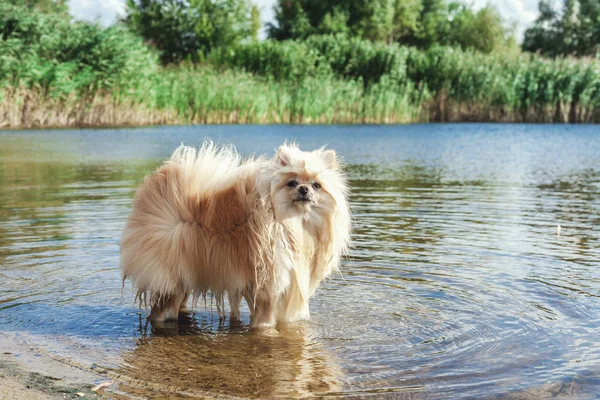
(199,95)
(55,73)
(457,85)
(204,95)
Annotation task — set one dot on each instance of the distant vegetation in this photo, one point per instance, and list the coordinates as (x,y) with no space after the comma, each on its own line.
(572,30)
(420,23)
(200,61)
(445,83)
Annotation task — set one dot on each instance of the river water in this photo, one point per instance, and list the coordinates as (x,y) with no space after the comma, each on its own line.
(460,283)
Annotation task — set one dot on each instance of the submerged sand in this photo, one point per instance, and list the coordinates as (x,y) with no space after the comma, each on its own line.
(27,374)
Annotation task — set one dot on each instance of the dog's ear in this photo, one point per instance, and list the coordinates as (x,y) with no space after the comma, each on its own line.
(330,158)
(283,157)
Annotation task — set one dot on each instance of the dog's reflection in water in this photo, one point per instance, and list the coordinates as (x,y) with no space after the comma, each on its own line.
(200,356)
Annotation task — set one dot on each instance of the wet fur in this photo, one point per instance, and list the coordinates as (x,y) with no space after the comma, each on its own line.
(207,222)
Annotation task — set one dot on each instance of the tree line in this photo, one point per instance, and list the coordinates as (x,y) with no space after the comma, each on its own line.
(181,28)
(190,29)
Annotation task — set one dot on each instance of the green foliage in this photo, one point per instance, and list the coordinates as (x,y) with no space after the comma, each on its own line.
(318,56)
(45,6)
(574,30)
(382,20)
(180,29)
(515,86)
(168,25)
(204,95)
(221,23)
(361,59)
(255,23)
(51,54)
(421,23)
(284,61)
(482,30)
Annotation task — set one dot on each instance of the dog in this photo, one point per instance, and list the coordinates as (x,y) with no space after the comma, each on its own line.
(267,231)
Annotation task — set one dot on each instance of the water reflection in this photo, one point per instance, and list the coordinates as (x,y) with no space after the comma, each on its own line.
(194,358)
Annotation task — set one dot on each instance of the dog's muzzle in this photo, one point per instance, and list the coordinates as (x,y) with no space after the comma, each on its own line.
(303,195)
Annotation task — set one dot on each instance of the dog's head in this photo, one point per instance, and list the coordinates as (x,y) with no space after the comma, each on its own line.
(311,184)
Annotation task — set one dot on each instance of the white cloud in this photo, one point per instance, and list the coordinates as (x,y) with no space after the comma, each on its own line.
(521,12)
(105,11)
(266,13)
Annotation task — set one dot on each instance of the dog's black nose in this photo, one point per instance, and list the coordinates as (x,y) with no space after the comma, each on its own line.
(303,190)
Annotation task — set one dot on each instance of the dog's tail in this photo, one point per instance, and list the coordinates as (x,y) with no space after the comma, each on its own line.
(207,170)
(161,239)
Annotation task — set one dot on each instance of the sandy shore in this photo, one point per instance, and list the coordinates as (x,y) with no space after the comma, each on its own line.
(28,374)
(13,388)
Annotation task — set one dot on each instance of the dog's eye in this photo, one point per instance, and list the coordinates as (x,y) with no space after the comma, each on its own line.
(316,185)
(293,183)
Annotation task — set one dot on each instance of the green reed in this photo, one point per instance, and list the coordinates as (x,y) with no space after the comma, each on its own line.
(465,85)
(203,95)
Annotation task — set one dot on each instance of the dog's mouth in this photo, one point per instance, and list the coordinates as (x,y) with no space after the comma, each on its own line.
(303,200)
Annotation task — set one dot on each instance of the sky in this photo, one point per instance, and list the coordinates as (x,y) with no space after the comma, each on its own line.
(520,12)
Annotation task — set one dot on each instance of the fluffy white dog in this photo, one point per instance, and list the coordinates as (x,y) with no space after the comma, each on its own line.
(268,231)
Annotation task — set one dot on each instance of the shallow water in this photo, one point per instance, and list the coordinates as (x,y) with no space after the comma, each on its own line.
(458,286)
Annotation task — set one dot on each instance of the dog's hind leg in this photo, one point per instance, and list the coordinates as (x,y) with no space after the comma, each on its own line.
(249,297)
(235,301)
(184,301)
(167,307)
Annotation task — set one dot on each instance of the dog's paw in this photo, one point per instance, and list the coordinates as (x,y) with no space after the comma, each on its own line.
(265,330)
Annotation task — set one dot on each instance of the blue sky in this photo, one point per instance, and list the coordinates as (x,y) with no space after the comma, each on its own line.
(520,12)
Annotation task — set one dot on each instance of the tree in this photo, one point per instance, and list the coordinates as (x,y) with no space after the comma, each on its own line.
(292,21)
(420,23)
(573,30)
(221,23)
(392,20)
(383,20)
(255,23)
(482,30)
(49,53)
(45,6)
(168,25)
(182,29)
(433,24)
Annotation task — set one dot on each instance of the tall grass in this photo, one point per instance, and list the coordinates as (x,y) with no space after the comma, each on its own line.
(465,85)
(204,95)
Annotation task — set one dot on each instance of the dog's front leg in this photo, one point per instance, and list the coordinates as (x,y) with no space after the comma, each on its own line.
(264,313)
(167,307)
(184,301)
(235,301)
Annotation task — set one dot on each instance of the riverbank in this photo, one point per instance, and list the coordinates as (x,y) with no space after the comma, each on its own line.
(13,388)
(235,97)
(17,384)
(55,381)
(28,372)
